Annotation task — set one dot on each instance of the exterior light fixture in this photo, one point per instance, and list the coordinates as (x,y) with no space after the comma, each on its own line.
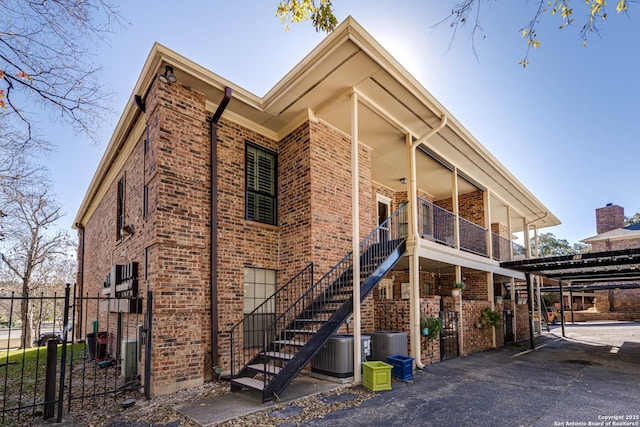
(168,76)
(403,180)
(127,230)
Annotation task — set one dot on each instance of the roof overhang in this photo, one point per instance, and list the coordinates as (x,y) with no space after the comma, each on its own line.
(391,104)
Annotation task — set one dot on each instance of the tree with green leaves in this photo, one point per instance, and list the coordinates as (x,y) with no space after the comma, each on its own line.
(550,245)
(467,13)
(633,219)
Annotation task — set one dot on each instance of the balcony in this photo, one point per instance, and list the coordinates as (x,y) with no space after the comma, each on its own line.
(438,225)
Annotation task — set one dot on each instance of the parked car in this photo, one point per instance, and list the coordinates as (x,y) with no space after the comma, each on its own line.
(552,315)
(46,336)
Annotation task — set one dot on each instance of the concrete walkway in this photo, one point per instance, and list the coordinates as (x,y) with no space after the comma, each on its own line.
(590,378)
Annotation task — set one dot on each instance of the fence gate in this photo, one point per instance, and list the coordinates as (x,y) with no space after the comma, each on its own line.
(97,346)
(509,336)
(449,343)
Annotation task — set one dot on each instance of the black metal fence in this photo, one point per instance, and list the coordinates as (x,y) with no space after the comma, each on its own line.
(449,341)
(509,335)
(84,349)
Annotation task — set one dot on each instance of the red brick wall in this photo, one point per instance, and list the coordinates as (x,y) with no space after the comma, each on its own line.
(615,245)
(477,285)
(394,315)
(474,339)
(314,224)
(241,243)
(470,206)
(430,352)
(522,322)
(609,218)
(330,200)
(181,291)
(618,300)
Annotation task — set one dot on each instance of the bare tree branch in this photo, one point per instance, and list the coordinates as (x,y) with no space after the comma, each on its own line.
(46,51)
(29,243)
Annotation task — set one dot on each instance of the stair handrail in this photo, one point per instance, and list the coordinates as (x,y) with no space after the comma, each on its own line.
(397,233)
(259,309)
(348,257)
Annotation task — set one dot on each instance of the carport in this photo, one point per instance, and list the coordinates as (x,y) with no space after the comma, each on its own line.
(596,270)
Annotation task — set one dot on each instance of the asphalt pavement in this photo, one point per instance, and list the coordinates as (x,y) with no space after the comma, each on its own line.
(590,378)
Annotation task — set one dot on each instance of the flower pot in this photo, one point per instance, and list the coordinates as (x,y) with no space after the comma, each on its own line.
(425,331)
(456,292)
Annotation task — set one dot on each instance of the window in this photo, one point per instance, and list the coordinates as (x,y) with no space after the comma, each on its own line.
(259,285)
(145,201)
(261,199)
(146,140)
(386,289)
(405,290)
(120,209)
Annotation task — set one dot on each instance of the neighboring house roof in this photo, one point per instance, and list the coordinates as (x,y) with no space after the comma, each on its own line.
(628,232)
(349,63)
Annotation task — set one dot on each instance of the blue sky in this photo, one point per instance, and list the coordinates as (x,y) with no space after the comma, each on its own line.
(567,126)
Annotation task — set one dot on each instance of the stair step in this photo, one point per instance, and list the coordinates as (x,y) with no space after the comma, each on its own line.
(296,343)
(270,369)
(301,331)
(279,355)
(249,382)
(311,320)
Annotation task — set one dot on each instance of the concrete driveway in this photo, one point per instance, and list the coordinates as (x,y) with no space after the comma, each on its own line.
(591,378)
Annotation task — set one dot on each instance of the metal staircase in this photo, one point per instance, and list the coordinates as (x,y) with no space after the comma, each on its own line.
(272,344)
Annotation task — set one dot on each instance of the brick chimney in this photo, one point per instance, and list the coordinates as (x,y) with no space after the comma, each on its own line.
(609,218)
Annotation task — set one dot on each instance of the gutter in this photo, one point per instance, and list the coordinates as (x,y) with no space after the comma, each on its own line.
(213,249)
(415,238)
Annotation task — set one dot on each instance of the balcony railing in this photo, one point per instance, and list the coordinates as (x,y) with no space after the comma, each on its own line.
(500,247)
(438,225)
(518,251)
(435,223)
(473,238)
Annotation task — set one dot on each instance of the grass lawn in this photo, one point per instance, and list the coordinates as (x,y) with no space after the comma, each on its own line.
(22,377)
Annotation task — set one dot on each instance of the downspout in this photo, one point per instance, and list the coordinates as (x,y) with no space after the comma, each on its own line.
(80,278)
(213,249)
(413,240)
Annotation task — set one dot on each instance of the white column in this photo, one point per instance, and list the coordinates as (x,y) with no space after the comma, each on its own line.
(525,230)
(493,303)
(454,207)
(355,240)
(510,231)
(413,240)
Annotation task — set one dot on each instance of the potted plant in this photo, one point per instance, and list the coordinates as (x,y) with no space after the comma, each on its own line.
(457,289)
(431,327)
(424,329)
(490,318)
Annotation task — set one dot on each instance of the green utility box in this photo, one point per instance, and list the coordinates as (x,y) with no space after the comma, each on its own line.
(376,376)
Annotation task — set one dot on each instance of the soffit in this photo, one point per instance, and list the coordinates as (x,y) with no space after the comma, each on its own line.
(392,105)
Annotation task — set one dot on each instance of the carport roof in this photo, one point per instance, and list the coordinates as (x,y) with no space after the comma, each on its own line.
(612,266)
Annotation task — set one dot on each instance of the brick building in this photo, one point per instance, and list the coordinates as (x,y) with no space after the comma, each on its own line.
(613,235)
(276,176)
